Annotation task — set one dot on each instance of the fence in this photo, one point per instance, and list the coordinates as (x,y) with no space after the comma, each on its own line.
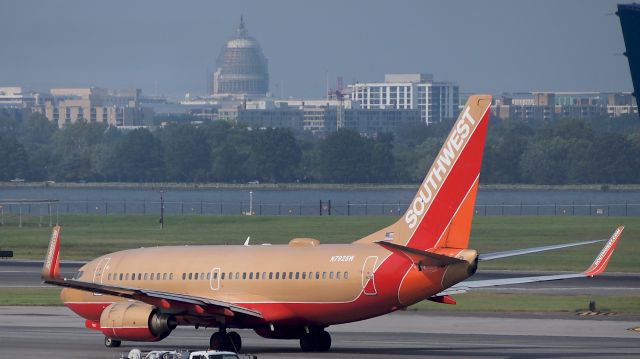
(49,212)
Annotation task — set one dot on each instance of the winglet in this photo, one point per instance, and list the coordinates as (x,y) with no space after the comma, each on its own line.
(601,261)
(51,267)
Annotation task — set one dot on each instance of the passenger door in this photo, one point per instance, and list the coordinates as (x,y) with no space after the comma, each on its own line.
(368,278)
(100,269)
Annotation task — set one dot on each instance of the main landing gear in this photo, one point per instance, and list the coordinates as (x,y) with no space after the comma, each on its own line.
(315,341)
(111,343)
(225,341)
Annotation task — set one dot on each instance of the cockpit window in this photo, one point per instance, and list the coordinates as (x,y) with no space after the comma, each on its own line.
(78,275)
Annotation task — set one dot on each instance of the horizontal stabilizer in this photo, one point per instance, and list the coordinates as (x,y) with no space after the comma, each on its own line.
(418,256)
(517,252)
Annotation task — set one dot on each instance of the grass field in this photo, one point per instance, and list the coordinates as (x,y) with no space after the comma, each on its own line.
(88,236)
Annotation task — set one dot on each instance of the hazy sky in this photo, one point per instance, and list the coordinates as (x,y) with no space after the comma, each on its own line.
(485,46)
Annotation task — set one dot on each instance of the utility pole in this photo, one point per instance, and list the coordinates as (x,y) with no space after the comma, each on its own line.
(161,209)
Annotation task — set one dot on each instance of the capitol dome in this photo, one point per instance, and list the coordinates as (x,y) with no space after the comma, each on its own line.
(241,68)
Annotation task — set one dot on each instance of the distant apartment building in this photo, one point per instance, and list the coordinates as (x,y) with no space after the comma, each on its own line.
(555,105)
(120,108)
(436,101)
(320,117)
(17,98)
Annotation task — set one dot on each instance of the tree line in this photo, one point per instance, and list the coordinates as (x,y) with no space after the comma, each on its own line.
(559,152)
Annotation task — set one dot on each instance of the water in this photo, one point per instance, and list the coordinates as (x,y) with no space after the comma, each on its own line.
(308,201)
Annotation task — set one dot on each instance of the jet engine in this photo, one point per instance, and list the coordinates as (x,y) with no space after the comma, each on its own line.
(136,321)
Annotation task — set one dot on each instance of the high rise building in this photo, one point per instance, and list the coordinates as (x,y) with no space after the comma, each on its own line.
(435,100)
(242,69)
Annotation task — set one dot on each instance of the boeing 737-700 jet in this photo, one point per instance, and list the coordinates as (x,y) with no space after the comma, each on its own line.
(296,291)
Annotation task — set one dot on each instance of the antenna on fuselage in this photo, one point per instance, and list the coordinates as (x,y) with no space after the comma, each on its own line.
(246,242)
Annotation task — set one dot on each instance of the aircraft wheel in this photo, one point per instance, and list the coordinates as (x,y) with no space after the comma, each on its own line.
(219,341)
(111,343)
(323,341)
(235,341)
(308,342)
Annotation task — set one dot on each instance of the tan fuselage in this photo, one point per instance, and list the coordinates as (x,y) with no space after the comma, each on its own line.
(300,284)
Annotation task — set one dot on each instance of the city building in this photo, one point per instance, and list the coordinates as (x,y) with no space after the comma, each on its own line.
(436,101)
(554,105)
(629,15)
(17,98)
(241,68)
(120,108)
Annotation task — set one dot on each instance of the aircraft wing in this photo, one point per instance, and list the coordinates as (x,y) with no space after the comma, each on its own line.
(166,300)
(598,266)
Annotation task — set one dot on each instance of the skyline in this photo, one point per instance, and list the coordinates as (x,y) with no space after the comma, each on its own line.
(173,48)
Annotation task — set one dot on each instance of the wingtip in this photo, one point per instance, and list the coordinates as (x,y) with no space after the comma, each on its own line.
(602,260)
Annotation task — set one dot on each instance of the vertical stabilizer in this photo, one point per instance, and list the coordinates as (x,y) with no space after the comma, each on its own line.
(441,212)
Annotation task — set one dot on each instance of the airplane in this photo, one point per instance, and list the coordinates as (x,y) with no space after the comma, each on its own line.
(298,290)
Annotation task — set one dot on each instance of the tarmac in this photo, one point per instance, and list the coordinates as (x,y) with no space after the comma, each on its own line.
(55,332)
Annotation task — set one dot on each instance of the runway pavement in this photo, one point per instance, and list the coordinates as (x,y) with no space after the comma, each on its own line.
(19,273)
(55,332)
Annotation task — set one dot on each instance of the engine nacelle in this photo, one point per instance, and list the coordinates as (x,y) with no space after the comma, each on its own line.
(136,321)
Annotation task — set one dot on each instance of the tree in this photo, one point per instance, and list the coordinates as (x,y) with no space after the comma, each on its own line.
(36,134)
(275,155)
(13,158)
(187,153)
(344,157)
(138,157)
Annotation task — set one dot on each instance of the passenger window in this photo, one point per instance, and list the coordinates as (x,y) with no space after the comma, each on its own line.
(184,276)
(237,275)
(257,275)
(290,275)
(133,276)
(158,276)
(250,275)
(346,275)
(284,275)
(195,276)
(277,275)
(126,277)
(170,276)
(190,276)
(146,276)
(330,275)
(317,275)
(337,275)
(264,275)
(310,275)
(270,275)
(244,275)
(297,275)
(202,275)
(164,276)
(209,275)
(139,276)
(152,276)
(120,276)
(222,276)
(324,275)
(109,276)
(230,275)
(304,275)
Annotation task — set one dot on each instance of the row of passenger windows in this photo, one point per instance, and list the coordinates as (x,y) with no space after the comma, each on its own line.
(268,275)
(140,276)
(230,275)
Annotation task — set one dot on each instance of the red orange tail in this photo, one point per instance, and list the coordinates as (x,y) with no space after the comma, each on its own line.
(440,214)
